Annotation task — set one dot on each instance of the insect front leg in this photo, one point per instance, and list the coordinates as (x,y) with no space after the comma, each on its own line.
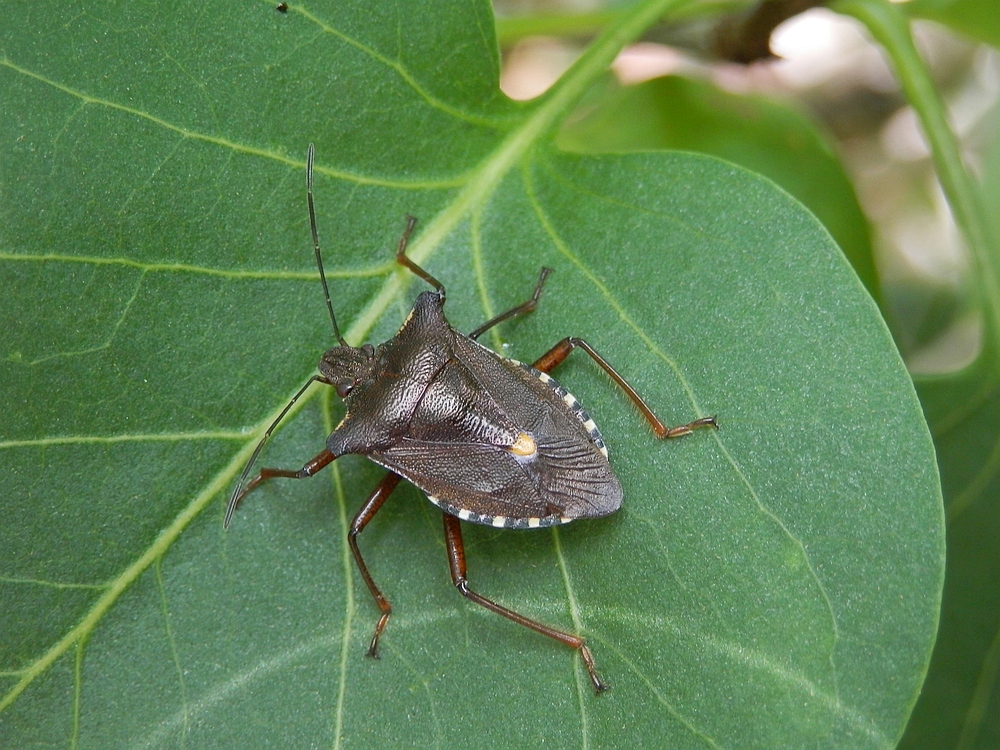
(320,460)
(554,356)
(371,506)
(456,561)
(243,488)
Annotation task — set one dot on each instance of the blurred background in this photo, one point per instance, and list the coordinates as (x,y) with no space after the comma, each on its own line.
(822,115)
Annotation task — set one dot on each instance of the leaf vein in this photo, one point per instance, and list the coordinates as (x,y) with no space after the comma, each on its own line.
(172,642)
(167,437)
(52,584)
(275,275)
(400,70)
(229,144)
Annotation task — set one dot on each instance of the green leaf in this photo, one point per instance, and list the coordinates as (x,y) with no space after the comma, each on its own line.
(772,584)
(959,705)
(756,132)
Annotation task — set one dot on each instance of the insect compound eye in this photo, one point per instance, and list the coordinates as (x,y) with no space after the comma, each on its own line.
(368,349)
(344,387)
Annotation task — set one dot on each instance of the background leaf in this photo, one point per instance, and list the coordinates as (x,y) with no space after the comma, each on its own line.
(159,301)
(959,700)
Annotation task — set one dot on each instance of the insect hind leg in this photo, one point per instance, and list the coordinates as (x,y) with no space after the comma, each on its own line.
(554,356)
(456,560)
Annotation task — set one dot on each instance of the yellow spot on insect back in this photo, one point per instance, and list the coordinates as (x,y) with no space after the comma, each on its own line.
(524,445)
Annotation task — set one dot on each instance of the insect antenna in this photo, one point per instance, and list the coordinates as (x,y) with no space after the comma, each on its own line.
(242,488)
(315,237)
(239,493)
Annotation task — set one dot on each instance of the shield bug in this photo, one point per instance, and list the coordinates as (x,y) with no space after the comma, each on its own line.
(488,439)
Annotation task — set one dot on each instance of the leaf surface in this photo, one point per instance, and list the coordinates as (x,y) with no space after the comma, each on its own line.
(161,306)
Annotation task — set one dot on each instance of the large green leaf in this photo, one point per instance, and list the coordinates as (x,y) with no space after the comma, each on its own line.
(772,584)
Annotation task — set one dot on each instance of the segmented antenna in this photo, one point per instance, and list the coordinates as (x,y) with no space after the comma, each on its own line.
(241,486)
(315,235)
(239,493)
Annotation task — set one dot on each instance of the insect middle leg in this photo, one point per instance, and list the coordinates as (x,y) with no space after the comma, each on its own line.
(524,307)
(456,560)
(554,356)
